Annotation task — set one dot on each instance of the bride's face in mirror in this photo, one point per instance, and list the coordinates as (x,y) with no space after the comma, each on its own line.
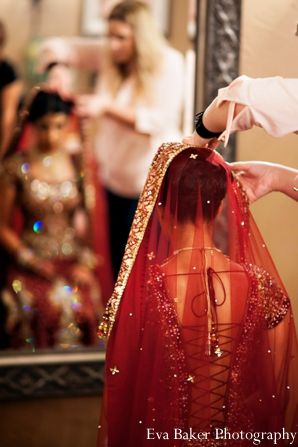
(50,132)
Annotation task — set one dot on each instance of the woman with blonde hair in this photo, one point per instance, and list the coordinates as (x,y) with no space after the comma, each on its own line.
(133,103)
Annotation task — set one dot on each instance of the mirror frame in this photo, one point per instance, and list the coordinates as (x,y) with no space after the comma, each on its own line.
(218,52)
(50,373)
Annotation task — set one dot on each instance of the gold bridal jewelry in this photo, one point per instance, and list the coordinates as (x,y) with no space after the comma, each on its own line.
(295,188)
(196,248)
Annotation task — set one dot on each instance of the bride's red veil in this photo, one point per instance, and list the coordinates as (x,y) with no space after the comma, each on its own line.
(201,331)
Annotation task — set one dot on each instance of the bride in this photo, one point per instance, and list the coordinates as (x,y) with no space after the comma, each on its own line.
(201,331)
(52,296)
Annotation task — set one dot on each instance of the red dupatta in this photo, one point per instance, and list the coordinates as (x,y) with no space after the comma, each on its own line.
(201,336)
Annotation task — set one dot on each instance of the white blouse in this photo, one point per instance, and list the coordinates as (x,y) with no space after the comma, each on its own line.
(125,153)
(271,103)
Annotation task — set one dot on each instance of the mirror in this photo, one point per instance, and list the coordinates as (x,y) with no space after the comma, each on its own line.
(40,372)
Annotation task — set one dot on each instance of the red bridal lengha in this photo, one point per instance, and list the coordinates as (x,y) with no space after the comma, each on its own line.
(42,313)
(201,331)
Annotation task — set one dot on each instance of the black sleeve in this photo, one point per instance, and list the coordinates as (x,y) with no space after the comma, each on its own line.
(7,74)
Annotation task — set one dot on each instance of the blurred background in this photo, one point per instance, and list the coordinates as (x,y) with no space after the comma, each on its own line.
(50,394)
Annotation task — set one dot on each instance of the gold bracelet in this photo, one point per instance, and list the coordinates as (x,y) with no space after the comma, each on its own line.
(295,188)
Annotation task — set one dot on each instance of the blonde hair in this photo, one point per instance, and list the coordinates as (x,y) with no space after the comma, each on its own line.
(149,43)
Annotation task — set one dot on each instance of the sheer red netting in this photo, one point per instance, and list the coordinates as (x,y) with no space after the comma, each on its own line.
(202,334)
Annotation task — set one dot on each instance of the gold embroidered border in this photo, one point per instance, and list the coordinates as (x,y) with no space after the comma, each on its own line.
(147,200)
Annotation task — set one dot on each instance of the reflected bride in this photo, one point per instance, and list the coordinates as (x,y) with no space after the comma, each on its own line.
(52,296)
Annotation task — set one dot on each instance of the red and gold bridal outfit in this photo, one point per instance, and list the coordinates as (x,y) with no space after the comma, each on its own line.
(201,335)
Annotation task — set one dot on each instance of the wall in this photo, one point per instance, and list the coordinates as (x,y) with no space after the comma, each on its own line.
(50,422)
(178,25)
(51,17)
(62,18)
(269,47)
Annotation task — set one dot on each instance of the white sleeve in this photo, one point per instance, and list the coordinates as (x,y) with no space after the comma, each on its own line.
(165,107)
(272,103)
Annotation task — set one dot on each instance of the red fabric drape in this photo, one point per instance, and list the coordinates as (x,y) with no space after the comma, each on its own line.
(204,336)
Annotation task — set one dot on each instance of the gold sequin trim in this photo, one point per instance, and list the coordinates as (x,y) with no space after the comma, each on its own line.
(166,153)
(242,192)
(274,301)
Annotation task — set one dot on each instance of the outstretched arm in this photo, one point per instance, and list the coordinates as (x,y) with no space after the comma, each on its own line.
(260,178)
(10,100)
(78,52)
(215,120)
(270,103)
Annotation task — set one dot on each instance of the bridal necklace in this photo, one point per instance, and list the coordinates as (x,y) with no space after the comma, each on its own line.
(179,250)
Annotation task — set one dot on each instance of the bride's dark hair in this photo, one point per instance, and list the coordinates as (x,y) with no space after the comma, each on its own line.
(45,102)
(38,104)
(191,177)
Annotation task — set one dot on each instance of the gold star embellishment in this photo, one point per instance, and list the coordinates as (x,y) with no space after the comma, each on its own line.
(193,156)
(151,256)
(190,378)
(114,370)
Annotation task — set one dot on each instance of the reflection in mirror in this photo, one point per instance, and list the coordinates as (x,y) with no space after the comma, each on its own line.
(53,204)
(52,296)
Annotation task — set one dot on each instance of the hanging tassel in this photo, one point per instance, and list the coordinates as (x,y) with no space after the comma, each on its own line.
(213,347)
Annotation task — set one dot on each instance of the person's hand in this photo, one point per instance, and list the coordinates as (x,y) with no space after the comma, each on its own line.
(196,140)
(60,79)
(90,106)
(82,275)
(257,177)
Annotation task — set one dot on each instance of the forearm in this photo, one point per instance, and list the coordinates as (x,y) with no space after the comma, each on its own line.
(10,100)
(6,130)
(215,116)
(76,52)
(214,120)
(126,115)
(285,180)
(8,124)
(10,240)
